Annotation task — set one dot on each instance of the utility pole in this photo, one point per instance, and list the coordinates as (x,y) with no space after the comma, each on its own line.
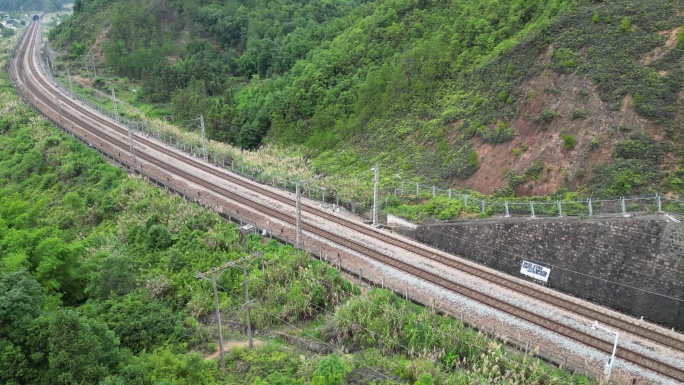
(298,209)
(85,61)
(215,273)
(218,321)
(71,84)
(375,195)
(116,106)
(130,141)
(52,56)
(59,106)
(47,54)
(92,58)
(204,139)
(247,302)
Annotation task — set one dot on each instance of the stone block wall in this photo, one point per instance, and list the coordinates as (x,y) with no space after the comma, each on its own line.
(633,265)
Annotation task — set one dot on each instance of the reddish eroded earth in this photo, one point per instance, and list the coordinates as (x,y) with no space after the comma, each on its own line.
(566,95)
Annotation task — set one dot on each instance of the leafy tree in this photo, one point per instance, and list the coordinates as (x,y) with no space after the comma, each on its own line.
(190,102)
(58,268)
(21,298)
(143,323)
(14,364)
(114,275)
(77,49)
(20,302)
(67,348)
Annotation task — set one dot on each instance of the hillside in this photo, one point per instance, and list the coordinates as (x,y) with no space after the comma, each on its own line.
(512,98)
(98,285)
(32,5)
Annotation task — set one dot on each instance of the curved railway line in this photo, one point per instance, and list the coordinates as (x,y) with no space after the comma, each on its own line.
(38,89)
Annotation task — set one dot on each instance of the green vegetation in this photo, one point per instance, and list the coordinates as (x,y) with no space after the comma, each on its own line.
(594,144)
(419,208)
(32,5)
(6,32)
(634,168)
(84,250)
(612,59)
(97,270)
(405,84)
(324,75)
(578,114)
(569,141)
(97,285)
(547,116)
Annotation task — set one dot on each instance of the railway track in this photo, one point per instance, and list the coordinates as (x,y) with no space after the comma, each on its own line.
(39,88)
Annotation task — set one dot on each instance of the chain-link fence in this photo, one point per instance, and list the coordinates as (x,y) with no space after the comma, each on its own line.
(543,208)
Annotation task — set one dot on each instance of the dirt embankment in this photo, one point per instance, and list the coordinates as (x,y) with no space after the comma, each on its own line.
(572,107)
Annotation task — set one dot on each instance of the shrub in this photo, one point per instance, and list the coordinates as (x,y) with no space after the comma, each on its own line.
(578,114)
(99,82)
(501,134)
(159,237)
(566,61)
(473,159)
(535,170)
(624,177)
(548,116)
(569,141)
(639,146)
(503,96)
(594,144)
(625,25)
(330,370)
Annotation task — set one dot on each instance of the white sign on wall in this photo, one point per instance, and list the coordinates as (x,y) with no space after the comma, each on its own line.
(535,271)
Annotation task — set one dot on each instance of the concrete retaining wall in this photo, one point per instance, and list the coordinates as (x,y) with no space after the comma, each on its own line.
(633,265)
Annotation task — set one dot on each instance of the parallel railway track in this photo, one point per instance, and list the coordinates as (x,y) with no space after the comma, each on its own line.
(105,130)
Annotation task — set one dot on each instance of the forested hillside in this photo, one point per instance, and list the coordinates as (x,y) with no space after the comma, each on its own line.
(32,5)
(516,97)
